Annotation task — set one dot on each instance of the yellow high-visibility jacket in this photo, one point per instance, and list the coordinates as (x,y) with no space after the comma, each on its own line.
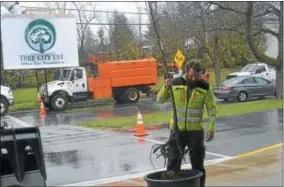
(201,97)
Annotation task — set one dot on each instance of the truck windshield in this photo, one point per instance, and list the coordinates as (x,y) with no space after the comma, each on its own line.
(249,68)
(62,75)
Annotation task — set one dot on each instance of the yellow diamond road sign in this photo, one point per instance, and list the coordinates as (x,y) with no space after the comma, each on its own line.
(179,58)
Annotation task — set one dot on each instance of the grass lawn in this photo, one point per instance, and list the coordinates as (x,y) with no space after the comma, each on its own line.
(26,99)
(164,117)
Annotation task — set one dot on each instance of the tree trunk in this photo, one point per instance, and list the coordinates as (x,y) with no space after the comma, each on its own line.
(279,71)
(20,79)
(279,83)
(216,61)
(277,63)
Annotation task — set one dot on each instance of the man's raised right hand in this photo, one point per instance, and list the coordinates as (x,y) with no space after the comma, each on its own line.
(168,82)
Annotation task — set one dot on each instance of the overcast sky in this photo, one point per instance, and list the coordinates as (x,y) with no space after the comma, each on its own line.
(132,7)
(119,6)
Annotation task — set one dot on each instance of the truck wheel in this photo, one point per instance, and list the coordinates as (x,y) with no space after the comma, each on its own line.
(242,96)
(59,102)
(131,95)
(4,107)
(118,98)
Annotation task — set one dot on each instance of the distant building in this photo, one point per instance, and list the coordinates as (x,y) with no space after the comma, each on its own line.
(189,44)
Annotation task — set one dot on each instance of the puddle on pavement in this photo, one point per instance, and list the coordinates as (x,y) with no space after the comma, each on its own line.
(72,118)
(70,157)
(99,113)
(100,163)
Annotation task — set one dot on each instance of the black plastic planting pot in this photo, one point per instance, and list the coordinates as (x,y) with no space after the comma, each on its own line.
(187,178)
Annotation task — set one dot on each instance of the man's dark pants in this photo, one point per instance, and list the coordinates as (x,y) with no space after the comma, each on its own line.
(195,142)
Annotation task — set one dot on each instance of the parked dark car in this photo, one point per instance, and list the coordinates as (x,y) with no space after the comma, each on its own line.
(244,87)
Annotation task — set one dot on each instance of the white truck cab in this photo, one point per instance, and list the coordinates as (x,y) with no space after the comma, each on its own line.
(256,69)
(69,84)
(6,99)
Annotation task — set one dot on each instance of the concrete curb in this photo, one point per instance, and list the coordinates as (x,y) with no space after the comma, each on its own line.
(73,106)
(167,125)
(148,127)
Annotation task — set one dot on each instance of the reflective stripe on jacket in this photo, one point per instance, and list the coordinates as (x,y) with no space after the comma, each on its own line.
(201,96)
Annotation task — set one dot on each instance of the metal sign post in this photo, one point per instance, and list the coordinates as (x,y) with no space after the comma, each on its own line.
(45,76)
(37,81)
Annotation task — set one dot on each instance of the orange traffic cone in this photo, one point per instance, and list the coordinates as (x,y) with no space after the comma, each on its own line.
(38,98)
(42,109)
(42,120)
(140,129)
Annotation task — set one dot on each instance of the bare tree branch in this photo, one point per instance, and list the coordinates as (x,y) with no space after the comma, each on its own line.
(265,30)
(269,31)
(257,53)
(57,6)
(233,30)
(275,10)
(227,8)
(224,29)
(80,19)
(84,22)
(267,12)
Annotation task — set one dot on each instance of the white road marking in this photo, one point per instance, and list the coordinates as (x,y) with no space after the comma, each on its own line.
(159,142)
(136,175)
(17,122)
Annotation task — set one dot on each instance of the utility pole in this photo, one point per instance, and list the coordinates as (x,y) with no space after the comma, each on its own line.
(109,43)
(140,29)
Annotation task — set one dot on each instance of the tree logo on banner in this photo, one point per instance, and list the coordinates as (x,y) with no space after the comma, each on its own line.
(40,35)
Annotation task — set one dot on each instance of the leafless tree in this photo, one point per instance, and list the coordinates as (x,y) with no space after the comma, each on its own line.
(59,7)
(84,19)
(251,12)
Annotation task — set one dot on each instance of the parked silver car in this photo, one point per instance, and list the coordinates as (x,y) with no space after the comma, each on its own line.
(243,87)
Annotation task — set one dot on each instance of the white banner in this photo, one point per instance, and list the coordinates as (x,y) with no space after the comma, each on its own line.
(39,41)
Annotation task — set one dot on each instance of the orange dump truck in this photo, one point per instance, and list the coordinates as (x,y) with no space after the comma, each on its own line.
(122,80)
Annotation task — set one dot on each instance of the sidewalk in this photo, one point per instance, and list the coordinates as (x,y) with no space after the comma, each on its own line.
(261,167)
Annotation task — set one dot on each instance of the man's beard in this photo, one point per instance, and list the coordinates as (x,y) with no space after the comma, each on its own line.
(191,83)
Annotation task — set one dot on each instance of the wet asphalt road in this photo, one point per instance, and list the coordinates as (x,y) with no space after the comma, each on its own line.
(75,154)
(146,105)
(95,113)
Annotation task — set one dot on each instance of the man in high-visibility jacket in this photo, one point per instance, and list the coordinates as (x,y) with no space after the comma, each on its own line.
(191,94)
